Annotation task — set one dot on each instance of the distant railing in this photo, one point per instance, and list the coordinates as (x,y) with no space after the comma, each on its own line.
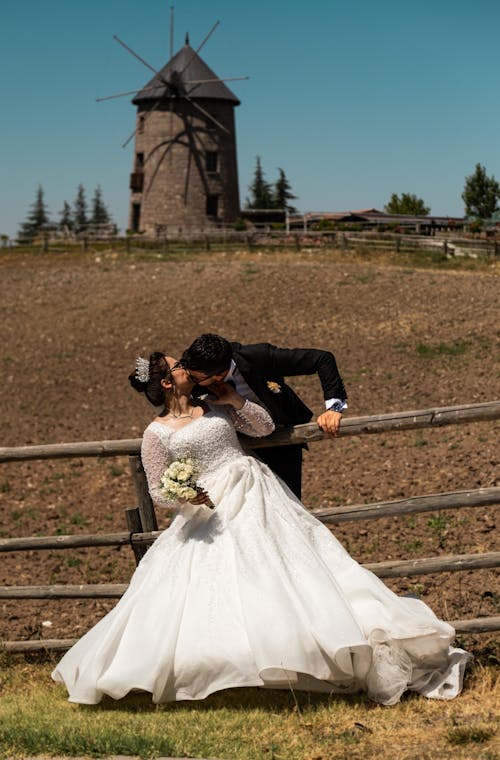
(221,238)
(143,528)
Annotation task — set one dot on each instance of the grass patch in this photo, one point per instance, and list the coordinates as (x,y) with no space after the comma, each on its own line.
(242,724)
(457,348)
(470,734)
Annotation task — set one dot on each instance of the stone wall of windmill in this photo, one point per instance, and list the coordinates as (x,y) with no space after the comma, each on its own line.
(185,171)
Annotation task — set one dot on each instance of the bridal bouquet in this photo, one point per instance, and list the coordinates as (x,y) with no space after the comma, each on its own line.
(178,481)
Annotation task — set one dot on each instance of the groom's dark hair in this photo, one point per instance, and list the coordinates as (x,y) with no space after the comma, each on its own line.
(208,353)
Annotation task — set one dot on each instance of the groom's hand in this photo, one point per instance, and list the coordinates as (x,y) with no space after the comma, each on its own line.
(329,422)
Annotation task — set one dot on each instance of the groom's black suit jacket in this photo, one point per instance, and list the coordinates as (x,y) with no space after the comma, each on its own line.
(265,366)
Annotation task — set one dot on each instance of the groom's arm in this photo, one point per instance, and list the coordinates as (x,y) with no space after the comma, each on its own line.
(289,362)
(307,361)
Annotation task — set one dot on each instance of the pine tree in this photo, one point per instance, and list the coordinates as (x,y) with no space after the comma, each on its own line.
(481,194)
(80,217)
(100,214)
(36,219)
(260,189)
(283,193)
(66,217)
(408,203)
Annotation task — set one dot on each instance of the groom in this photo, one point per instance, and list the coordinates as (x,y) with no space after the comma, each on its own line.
(258,371)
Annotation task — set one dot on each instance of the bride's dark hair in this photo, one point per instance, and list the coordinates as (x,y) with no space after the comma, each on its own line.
(152,388)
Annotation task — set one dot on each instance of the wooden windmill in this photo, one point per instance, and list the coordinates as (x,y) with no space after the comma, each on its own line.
(185,170)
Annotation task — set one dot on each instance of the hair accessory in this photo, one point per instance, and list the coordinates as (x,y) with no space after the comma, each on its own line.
(142,369)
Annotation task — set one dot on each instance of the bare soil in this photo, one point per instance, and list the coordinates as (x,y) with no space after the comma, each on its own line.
(405,337)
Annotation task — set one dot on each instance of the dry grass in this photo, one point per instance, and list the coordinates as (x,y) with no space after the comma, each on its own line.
(246,724)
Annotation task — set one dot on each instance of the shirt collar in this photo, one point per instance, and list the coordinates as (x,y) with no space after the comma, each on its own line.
(232,367)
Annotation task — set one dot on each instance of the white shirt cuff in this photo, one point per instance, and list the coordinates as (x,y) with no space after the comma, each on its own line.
(331,401)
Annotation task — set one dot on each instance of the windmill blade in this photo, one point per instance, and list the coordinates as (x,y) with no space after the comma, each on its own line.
(209,115)
(217,79)
(196,82)
(136,55)
(195,52)
(171,31)
(123,94)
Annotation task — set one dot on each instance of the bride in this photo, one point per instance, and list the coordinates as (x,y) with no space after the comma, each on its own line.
(246,588)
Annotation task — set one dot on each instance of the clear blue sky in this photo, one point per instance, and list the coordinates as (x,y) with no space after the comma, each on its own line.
(354,100)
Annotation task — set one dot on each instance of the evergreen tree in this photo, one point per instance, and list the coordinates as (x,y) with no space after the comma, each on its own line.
(481,194)
(407,204)
(260,189)
(100,214)
(66,217)
(80,217)
(283,193)
(36,219)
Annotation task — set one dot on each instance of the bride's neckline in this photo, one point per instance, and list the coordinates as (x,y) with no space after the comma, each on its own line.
(205,410)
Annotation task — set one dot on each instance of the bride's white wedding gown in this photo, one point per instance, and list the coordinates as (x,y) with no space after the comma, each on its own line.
(256,592)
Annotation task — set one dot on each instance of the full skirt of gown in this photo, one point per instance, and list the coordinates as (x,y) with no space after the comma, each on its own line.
(257,592)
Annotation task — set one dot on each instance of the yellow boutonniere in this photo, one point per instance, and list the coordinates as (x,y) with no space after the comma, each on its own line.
(274,387)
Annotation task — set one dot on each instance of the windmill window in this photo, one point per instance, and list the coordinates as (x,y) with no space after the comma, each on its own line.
(212,205)
(140,125)
(136,216)
(211,160)
(139,162)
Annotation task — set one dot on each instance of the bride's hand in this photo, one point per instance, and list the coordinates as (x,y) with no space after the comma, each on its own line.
(225,393)
(202,497)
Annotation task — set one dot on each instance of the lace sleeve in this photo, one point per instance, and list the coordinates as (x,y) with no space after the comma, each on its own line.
(252,419)
(155,459)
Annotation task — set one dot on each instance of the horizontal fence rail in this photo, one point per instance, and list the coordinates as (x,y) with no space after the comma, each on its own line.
(474,625)
(379,423)
(142,525)
(304,235)
(479,497)
(387,569)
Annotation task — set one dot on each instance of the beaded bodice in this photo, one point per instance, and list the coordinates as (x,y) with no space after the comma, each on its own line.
(211,441)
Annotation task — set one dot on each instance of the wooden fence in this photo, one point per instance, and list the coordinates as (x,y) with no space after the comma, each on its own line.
(143,528)
(296,239)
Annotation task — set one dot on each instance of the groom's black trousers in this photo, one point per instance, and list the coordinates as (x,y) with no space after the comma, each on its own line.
(286,462)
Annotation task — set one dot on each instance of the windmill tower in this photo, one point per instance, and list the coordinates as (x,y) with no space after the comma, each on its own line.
(185,173)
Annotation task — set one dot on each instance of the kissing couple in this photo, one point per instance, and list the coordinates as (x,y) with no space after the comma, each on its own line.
(245,587)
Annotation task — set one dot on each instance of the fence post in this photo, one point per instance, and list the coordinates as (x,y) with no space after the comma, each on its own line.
(134,525)
(144,502)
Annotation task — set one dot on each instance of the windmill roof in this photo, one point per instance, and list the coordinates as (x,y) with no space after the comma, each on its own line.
(185,74)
